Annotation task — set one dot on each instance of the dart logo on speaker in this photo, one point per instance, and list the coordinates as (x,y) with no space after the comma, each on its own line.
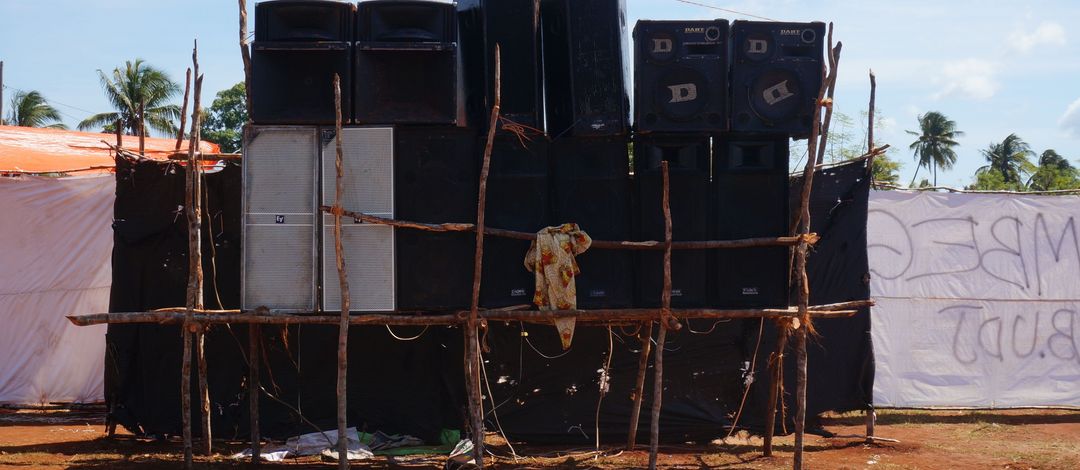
(757,46)
(777,93)
(661,46)
(683,93)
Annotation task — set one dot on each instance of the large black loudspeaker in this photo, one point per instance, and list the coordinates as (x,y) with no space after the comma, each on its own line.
(299,46)
(514,26)
(435,181)
(681,77)
(775,76)
(586,67)
(592,189)
(750,193)
(407,63)
(688,170)
(517,199)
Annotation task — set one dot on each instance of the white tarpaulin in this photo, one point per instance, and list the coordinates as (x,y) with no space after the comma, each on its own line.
(978,299)
(57,244)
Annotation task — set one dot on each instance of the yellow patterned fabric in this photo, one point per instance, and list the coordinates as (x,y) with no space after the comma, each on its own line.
(551,258)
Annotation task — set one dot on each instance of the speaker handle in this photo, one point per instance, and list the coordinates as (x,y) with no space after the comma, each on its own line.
(402,46)
(301,46)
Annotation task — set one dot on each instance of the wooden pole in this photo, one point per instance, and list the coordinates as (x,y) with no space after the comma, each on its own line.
(339,251)
(195,168)
(192,203)
(120,133)
(645,336)
(665,315)
(472,344)
(183,110)
(776,378)
(245,55)
(804,325)
(823,136)
(870,128)
(142,129)
(254,356)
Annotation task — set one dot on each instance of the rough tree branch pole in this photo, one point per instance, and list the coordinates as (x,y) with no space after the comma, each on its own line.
(343,279)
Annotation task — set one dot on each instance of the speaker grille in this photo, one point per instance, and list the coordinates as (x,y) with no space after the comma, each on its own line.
(368,164)
(369,263)
(279,228)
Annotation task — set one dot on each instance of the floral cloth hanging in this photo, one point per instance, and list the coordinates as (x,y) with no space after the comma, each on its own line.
(551,258)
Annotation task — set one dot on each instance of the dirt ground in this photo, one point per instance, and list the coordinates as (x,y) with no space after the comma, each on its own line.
(1016,439)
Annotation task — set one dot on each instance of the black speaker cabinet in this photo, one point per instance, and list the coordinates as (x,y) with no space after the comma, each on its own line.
(435,181)
(407,65)
(293,82)
(586,67)
(775,76)
(688,170)
(592,189)
(514,26)
(406,21)
(304,21)
(681,72)
(517,199)
(750,194)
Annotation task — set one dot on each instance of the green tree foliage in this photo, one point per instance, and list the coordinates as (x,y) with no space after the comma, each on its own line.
(991,180)
(934,146)
(223,123)
(30,109)
(1053,173)
(140,94)
(1009,158)
(886,170)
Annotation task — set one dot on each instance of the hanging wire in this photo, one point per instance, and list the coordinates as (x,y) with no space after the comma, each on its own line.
(529,342)
(399,338)
(714,7)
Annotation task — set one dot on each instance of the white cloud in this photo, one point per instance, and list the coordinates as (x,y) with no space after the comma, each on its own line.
(1070,121)
(1046,34)
(968,78)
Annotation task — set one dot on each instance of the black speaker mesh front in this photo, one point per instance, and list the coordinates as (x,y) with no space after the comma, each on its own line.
(750,188)
(688,171)
(293,84)
(435,181)
(406,85)
(775,76)
(517,199)
(681,76)
(592,189)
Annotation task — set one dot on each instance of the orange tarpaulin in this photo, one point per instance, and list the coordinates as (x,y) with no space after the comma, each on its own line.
(30,149)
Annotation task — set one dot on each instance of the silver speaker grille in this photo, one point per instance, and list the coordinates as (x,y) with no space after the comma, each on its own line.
(279,219)
(369,264)
(368,167)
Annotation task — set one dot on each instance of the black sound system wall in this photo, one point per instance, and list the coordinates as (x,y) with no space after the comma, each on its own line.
(718,101)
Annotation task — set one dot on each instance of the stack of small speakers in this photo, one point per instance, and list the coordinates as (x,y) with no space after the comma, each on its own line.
(717,101)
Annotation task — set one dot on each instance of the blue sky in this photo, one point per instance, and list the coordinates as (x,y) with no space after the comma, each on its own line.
(995,67)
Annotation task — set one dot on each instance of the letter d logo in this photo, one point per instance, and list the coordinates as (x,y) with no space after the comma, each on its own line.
(757,46)
(661,46)
(683,93)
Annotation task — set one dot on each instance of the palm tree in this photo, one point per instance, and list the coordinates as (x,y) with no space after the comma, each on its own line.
(140,94)
(1053,172)
(934,147)
(30,109)
(1010,158)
